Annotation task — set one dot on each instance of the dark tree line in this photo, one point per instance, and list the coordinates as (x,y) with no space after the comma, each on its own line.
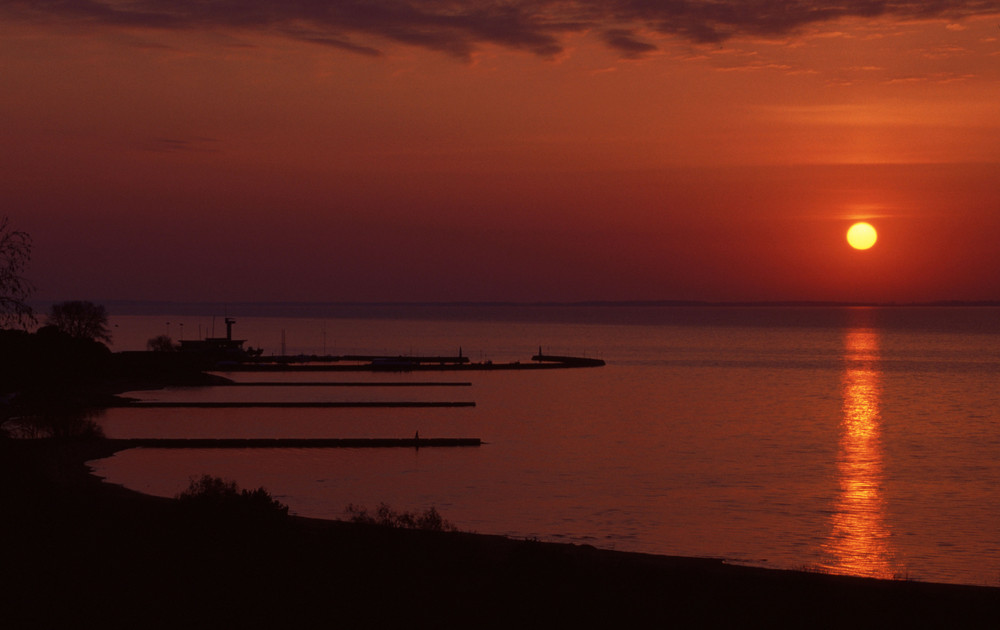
(78,319)
(47,376)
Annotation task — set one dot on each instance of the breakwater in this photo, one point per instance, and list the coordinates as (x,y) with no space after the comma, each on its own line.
(293,405)
(347,384)
(236,443)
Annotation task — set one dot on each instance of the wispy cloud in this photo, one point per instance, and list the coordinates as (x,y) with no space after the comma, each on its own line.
(627,44)
(458,28)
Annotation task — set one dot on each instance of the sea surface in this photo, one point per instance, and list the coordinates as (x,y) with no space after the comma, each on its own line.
(863,441)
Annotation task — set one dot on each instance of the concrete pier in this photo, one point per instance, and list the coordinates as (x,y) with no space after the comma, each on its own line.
(291,405)
(121,444)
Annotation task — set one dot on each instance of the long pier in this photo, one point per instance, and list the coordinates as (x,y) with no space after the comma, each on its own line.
(381,363)
(416,367)
(236,443)
(292,405)
(347,384)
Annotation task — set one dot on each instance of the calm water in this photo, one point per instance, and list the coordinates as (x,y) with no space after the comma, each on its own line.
(851,440)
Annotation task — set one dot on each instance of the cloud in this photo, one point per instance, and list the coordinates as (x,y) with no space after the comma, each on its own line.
(458,28)
(623,41)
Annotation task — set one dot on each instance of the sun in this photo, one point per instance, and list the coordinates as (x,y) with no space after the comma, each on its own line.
(862,235)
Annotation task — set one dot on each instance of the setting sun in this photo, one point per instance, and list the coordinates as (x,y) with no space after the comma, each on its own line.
(861,235)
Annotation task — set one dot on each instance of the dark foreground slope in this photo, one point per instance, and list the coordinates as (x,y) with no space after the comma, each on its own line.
(77,550)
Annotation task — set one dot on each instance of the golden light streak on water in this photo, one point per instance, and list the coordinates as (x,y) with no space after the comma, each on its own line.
(860,541)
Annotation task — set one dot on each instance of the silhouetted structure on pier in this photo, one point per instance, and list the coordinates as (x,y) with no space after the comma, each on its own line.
(221,347)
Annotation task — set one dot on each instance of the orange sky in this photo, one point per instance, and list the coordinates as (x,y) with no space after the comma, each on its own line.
(398,150)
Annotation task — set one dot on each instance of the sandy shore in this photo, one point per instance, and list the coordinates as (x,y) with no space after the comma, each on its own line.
(78,549)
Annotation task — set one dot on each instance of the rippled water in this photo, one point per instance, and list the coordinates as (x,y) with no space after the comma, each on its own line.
(860,441)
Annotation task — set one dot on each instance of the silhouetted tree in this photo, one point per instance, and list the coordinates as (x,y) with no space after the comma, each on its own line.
(161,343)
(15,252)
(81,320)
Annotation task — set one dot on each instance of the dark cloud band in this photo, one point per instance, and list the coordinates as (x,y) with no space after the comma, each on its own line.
(458,28)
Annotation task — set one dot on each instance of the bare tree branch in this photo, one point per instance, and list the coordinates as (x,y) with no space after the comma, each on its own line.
(15,253)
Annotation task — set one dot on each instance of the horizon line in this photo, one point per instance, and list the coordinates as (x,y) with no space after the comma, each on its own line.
(546,303)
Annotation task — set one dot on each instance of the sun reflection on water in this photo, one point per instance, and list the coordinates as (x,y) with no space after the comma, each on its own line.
(860,541)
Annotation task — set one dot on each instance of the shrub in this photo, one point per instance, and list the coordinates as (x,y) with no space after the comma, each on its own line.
(385,516)
(215,497)
(161,343)
(45,419)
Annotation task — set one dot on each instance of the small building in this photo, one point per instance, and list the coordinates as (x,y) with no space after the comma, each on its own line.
(221,348)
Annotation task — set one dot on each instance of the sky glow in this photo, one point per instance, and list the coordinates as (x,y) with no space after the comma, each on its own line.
(527,151)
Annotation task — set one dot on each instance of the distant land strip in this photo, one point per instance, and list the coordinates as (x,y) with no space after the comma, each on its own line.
(310,309)
(126,443)
(288,405)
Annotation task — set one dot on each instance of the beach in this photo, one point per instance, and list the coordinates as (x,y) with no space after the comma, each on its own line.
(81,549)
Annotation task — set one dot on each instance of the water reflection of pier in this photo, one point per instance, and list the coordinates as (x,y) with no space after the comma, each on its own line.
(859,541)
